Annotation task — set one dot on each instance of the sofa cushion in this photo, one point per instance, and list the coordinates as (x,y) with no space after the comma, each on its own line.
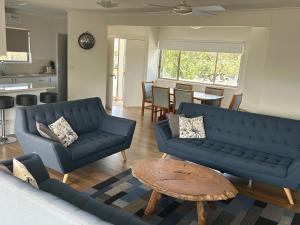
(93,142)
(230,156)
(85,202)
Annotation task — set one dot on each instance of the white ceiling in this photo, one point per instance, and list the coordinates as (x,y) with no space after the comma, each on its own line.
(59,7)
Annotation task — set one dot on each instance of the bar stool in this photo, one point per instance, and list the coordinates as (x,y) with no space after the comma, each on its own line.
(48,97)
(6,102)
(26,100)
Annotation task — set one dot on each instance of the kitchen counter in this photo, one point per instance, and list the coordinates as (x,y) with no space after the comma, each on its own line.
(27,75)
(21,87)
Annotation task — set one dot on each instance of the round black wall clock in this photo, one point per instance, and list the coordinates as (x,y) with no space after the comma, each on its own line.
(86,40)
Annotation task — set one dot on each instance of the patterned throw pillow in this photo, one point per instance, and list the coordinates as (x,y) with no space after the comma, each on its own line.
(20,171)
(191,127)
(45,132)
(64,132)
(173,120)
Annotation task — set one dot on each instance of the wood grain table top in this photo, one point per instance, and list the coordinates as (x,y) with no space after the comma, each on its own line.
(183,180)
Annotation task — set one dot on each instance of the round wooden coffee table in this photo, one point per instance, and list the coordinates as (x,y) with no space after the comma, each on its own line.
(182,180)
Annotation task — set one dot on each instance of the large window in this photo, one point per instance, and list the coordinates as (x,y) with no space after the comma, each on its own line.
(216,68)
(18,46)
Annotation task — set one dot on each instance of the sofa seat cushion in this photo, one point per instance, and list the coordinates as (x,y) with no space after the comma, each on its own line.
(232,157)
(93,142)
(88,204)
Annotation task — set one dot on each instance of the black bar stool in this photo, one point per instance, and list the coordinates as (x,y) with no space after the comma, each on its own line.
(6,102)
(48,97)
(26,100)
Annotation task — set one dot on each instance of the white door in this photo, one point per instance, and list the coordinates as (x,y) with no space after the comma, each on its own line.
(110,70)
(134,72)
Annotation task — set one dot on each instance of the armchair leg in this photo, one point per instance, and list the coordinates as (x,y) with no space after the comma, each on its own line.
(124,156)
(66,176)
(289,195)
(165,155)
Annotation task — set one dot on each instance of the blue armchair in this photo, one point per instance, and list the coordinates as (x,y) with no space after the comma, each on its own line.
(100,134)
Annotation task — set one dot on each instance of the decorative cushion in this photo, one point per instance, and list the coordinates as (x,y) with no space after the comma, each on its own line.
(173,120)
(20,171)
(45,132)
(191,127)
(64,132)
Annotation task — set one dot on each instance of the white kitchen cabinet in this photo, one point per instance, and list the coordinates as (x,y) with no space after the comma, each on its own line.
(2,29)
(6,80)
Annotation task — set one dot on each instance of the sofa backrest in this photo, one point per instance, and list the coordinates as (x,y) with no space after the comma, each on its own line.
(83,115)
(259,132)
(28,206)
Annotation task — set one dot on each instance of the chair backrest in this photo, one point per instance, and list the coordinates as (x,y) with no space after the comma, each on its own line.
(147,90)
(214,91)
(83,115)
(182,96)
(161,97)
(236,102)
(184,86)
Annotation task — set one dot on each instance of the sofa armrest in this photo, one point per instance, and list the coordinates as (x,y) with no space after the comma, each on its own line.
(119,126)
(34,165)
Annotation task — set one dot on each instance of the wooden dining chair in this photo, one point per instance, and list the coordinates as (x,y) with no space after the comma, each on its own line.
(184,86)
(147,96)
(182,96)
(161,101)
(236,102)
(213,91)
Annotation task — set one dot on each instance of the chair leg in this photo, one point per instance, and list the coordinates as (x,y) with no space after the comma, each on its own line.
(143,108)
(152,113)
(289,195)
(165,155)
(124,156)
(65,179)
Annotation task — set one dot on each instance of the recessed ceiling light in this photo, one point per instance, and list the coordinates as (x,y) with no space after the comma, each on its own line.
(196,28)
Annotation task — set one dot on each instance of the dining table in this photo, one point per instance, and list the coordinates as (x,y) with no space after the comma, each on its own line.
(202,96)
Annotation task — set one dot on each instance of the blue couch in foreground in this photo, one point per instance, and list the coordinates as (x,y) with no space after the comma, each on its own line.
(54,203)
(258,147)
(100,134)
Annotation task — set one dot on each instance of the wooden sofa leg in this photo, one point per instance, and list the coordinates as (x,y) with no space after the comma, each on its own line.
(66,176)
(250,184)
(165,155)
(124,156)
(289,195)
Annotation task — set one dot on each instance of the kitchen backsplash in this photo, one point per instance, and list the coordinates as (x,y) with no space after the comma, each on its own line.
(35,67)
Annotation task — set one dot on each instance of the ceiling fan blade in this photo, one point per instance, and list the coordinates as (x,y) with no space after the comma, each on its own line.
(214,8)
(162,6)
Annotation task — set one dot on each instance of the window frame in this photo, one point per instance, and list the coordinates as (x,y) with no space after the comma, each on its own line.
(29,55)
(197,82)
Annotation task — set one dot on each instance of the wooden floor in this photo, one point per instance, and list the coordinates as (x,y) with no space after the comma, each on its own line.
(144,146)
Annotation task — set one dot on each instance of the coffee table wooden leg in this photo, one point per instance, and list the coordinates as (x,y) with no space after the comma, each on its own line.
(152,203)
(201,214)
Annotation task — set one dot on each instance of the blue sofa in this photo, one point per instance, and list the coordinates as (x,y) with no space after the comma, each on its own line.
(54,202)
(100,134)
(257,147)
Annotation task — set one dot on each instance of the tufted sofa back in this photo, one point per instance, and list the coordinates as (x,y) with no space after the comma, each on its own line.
(269,134)
(83,115)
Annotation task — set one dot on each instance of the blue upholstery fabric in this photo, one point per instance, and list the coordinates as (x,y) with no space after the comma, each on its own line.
(253,146)
(80,200)
(92,142)
(100,135)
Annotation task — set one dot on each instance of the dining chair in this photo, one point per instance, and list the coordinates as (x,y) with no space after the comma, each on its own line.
(184,86)
(161,101)
(182,96)
(213,91)
(236,102)
(147,96)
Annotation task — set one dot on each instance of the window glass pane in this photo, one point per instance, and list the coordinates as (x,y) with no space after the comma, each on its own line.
(15,57)
(228,69)
(169,64)
(197,66)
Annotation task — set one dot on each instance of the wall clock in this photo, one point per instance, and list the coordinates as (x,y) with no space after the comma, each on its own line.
(86,40)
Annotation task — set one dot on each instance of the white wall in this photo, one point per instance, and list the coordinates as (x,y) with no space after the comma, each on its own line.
(43,32)
(87,68)
(279,75)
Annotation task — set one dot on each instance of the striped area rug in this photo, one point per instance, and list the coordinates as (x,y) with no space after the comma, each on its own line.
(128,194)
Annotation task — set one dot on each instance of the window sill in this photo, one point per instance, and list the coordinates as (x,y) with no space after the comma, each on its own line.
(199,84)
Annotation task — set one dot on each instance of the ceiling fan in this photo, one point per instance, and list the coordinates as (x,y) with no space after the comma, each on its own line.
(184,9)
(107,4)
